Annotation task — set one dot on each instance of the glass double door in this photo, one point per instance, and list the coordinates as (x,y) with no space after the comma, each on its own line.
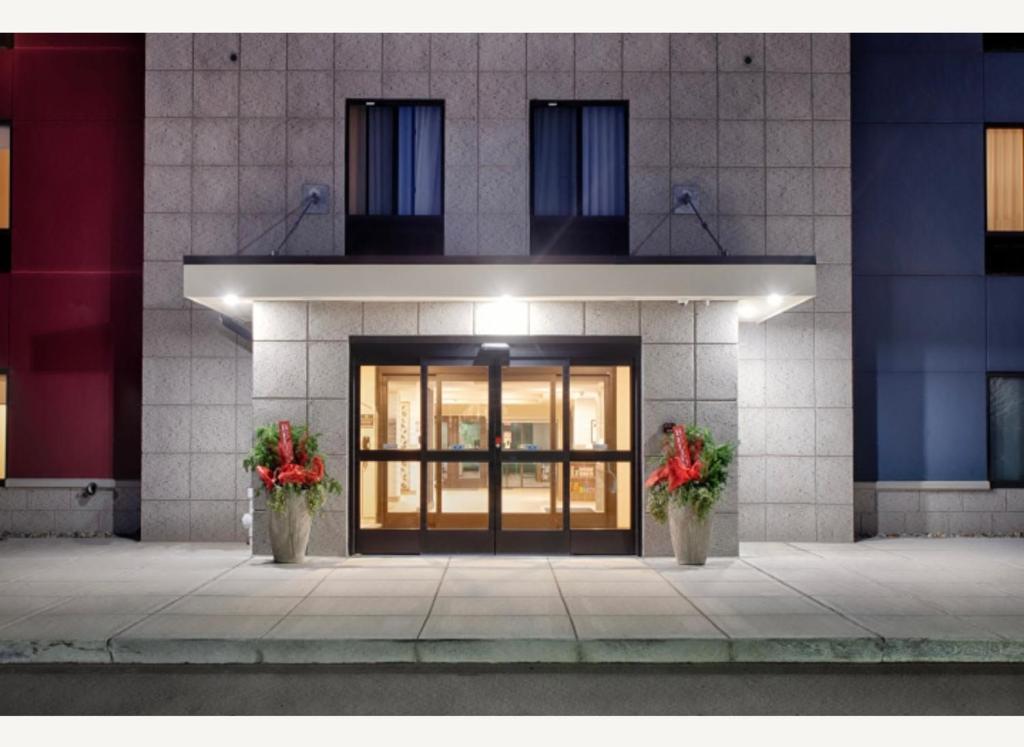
(493,456)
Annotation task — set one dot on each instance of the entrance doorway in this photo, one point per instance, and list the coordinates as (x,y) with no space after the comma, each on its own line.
(491,446)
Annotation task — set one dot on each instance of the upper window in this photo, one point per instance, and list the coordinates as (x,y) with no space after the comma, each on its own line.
(394,178)
(6,41)
(578,188)
(1004,190)
(1003,42)
(5,197)
(1006,429)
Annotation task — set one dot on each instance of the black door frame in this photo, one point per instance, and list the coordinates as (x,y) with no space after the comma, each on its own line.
(564,351)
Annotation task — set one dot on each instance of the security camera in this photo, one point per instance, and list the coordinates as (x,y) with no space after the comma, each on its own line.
(90,489)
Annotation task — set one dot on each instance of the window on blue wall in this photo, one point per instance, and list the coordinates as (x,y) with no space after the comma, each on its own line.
(1006,429)
(1003,42)
(578,187)
(395,177)
(1004,200)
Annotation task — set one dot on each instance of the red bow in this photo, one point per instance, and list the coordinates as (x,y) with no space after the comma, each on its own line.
(291,472)
(683,465)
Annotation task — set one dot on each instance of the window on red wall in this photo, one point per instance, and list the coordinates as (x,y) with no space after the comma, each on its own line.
(5,197)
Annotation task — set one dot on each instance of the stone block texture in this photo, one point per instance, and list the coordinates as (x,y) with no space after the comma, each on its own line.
(689,382)
(230,142)
(64,511)
(995,512)
(310,380)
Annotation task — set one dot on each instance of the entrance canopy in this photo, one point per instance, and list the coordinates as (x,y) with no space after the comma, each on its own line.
(764,286)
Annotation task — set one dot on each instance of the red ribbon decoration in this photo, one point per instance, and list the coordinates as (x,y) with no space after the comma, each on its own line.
(683,465)
(284,443)
(291,472)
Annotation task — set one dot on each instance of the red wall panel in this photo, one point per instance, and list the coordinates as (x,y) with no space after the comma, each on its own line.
(78,83)
(60,416)
(78,203)
(71,333)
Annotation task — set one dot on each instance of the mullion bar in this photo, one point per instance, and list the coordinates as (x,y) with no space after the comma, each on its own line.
(386,455)
(566,432)
(423,447)
(600,456)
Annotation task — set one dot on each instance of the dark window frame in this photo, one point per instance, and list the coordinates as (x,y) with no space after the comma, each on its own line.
(1004,250)
(1010,43)
(423,352)
(5,233)
(394,235)
(579,234)
(989,376)
(6,41)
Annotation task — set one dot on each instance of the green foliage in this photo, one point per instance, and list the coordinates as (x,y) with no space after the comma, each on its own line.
(701,494)
(264,453)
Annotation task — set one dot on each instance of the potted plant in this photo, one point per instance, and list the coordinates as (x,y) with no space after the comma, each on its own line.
(689,480)
(292,472)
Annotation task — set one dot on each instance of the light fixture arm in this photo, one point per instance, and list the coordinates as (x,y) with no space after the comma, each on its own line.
(312,199)
(687,199)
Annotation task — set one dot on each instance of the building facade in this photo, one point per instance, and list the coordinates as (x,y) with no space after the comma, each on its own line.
(758,124)
(239,128)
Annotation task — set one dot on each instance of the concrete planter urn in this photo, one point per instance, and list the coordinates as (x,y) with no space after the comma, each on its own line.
(684,488)
(690,534)
(289,530)
(292,473)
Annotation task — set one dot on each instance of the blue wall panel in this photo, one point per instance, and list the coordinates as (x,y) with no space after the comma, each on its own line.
(927,322)
(1004,87)
(918,199)
(919,323)
(1005,323)
(919,87)
(934,426)
(915,43)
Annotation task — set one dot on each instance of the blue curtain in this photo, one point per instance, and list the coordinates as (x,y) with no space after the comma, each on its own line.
(604,160)
(380,166)
(419,160)
(554,161)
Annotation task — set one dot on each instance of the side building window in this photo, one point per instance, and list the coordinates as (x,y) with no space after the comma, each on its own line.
(1004,200)
(579,178)
(1006,429)
(5,197)
(394,177)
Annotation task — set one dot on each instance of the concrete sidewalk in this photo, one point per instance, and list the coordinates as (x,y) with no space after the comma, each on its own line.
(894,600)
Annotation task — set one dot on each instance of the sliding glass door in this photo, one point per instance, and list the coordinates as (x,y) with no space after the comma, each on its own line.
(458,450)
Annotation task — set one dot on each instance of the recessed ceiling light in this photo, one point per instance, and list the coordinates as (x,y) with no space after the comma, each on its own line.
(774,299)
(230,299)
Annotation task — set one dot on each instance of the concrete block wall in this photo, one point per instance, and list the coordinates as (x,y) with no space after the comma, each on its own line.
(229,144)
(64,511)
(301,372)
(910,511)
(795,371)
